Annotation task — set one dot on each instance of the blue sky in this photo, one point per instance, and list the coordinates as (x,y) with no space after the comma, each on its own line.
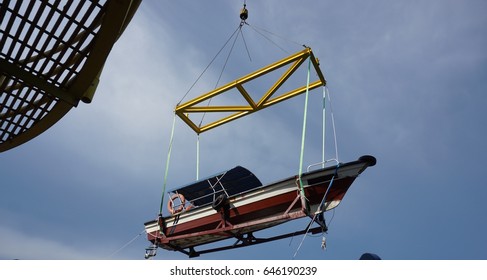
(407,81)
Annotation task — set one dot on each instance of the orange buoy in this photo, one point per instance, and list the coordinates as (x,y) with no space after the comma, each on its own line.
(170,204)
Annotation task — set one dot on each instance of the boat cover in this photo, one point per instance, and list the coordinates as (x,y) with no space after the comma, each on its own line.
(233,181)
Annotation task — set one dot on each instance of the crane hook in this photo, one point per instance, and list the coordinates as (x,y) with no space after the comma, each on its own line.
(244,13)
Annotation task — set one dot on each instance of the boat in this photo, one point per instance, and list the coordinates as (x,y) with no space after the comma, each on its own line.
(235,204)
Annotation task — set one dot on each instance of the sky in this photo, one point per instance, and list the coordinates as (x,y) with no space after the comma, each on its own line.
(407,81)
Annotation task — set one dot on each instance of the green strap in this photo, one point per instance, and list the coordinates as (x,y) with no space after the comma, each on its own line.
(303,137)
(167,164)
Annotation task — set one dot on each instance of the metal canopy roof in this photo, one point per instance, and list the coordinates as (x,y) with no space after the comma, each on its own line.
(51,56)
(233,181)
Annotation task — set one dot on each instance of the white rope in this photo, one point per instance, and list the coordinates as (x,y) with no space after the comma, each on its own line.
(126,244)
(323,140)
(333,124)
(198,157)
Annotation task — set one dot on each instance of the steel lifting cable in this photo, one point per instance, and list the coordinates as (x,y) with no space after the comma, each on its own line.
(245,43)
(261,31)
(243,17)
(208,66)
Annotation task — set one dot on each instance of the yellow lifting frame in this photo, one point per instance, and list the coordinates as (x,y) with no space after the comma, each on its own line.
(265,101)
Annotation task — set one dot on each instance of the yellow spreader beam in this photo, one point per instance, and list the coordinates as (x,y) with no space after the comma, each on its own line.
(293,62)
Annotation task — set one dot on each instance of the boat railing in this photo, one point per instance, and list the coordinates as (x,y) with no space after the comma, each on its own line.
(218,182)
(322,164)
(203,198)
(194,203)
(217,189)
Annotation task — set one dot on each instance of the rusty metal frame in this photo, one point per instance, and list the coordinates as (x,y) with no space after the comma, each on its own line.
(268,99)
(227,230)
(248,240)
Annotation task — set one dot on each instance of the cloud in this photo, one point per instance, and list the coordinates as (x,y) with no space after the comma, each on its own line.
(406,82)
(16,244)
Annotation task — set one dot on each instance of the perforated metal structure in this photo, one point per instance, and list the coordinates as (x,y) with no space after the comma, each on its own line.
(51,56)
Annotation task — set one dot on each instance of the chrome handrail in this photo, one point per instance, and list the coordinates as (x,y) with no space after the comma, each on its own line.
(323,163)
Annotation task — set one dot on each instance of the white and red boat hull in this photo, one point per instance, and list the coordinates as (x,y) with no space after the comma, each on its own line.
(258,209)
